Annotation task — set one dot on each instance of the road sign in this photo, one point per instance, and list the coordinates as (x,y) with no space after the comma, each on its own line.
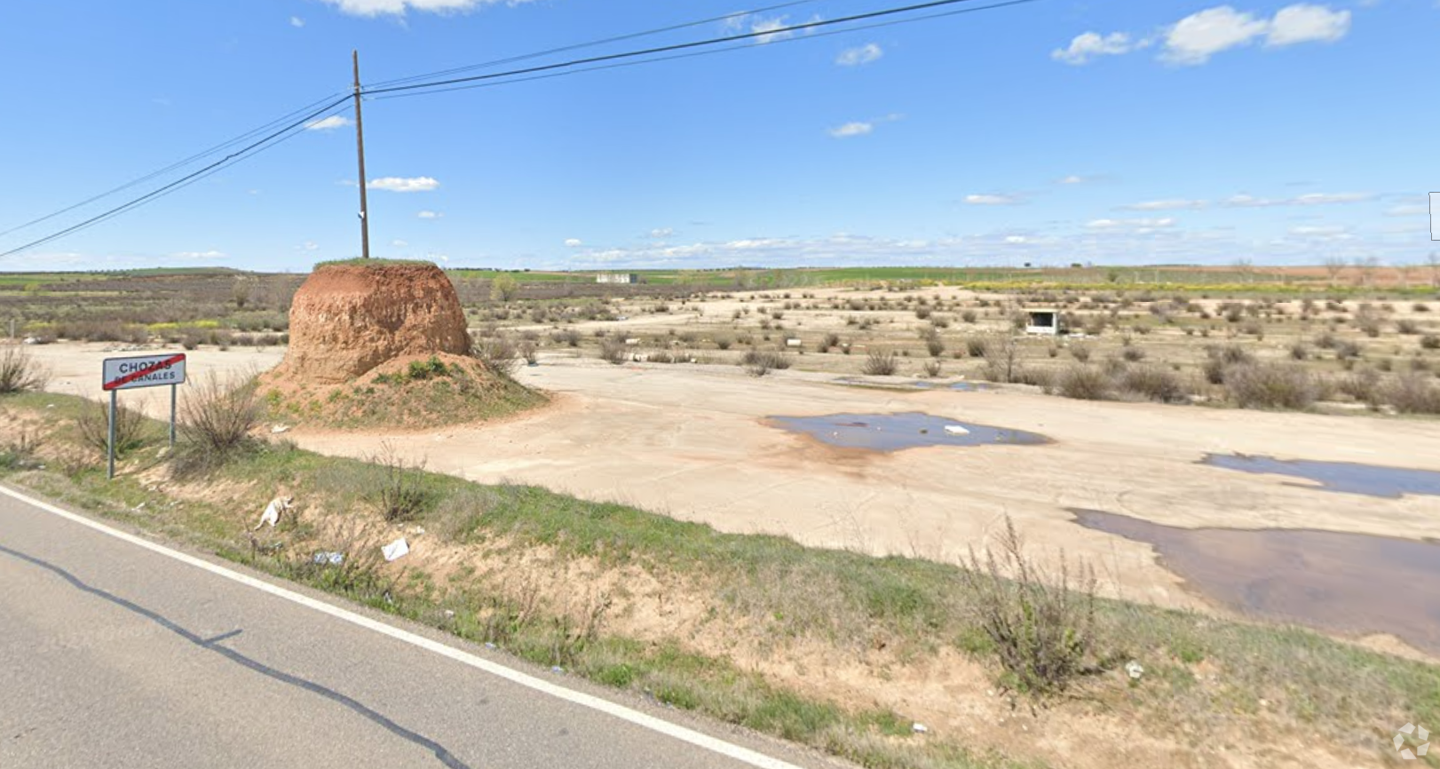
(143,371)
(140,371)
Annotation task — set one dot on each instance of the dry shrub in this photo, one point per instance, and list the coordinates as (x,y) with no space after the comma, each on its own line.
(1430,342)
(1042,625)
(1361,385)
(1084,383)
(93,422)
(19,372)
(1271,386)
(402,492)
(499,354)
(1155,383)
(1413,392)
(1221,357)
(216,419)
(613,351)
(881,363)
(760,362)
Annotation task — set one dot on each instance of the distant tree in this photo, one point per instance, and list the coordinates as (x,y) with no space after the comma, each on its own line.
(1333,266)
(504,287)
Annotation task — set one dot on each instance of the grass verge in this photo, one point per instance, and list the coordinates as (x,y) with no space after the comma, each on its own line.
(1203,676)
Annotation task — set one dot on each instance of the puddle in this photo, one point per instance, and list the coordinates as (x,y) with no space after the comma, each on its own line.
(1341,582)
(892,432)
(971,387)
(1344,477)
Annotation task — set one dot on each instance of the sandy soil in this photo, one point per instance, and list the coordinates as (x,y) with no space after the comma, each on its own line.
(691,441)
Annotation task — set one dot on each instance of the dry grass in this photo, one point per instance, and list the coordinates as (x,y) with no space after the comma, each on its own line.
(1271,386)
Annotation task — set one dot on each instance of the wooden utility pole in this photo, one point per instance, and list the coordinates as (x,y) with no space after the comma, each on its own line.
(360,146)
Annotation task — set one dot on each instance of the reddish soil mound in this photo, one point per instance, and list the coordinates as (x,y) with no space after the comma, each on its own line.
(348,319)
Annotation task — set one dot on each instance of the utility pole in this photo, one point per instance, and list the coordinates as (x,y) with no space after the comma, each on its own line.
(360,146)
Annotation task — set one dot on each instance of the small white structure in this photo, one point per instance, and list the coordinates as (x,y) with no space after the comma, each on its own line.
(1046,321)
(617,277)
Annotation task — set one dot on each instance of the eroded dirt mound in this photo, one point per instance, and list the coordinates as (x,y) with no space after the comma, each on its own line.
(347,319)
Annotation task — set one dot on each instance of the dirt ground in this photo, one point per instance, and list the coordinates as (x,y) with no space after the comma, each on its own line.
(692,441)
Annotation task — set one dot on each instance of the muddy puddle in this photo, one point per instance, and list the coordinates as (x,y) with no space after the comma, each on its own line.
(1344,477)
(893,432)
(1352,584)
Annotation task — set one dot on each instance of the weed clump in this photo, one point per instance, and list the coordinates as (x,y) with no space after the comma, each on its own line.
(20,373)
(1042,625)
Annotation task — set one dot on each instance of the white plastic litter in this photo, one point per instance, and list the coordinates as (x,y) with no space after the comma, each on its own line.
(329,556)
(1134,670)
(919,728)
(956,430)
(397,549)
(277,429)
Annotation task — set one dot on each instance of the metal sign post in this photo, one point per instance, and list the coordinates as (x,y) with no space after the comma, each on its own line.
(141,371)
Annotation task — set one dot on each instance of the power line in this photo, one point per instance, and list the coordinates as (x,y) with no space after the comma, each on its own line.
(692,54)
(674,47)
(591,44)
(264,143)
(167,169)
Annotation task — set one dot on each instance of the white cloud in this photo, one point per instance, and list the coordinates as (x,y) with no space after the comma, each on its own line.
(1072,179)
(1197,37)
(573,243)
(429,215)
(854,57)
(1305,23)
(1171,204)
(992,200)
(1409,210)
(753,23)
(1309,199)
(211,254)
(852,129)
(398,243)
(401,184)
(374,8)
(297,22)
(1134,224)
(1320,233)
(1091,45)
(661,232)
(328,124)
(309,245)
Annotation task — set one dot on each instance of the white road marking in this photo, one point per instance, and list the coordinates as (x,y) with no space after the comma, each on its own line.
(607,707)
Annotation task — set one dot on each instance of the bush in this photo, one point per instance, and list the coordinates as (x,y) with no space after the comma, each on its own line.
(612,350)
(498,354)
(1155,383)
(1041,625)
(1430,342)
(828,341)
(93,422)
(1407,326)
(975,347)
(216,419)
(424,369)
(1084,383)
(1221,357)
(934,345)
(1270,386)
(1133,354)
(759,363)
(1080,352)
(969,316)
(19,372)
(1361,385)
(932,368)
(1413,392)
(401,492)
(881,363)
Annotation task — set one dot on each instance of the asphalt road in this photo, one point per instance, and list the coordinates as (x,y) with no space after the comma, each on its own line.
(115,654)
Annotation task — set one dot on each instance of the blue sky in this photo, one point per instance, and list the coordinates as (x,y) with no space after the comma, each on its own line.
(1050,132)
